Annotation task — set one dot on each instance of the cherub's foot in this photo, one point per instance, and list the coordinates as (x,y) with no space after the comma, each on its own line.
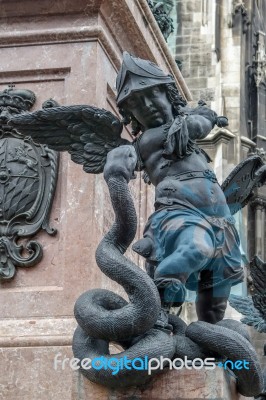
(143,247)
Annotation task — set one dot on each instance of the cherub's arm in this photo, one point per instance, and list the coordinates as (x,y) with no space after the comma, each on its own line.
(198,126)
(201,121)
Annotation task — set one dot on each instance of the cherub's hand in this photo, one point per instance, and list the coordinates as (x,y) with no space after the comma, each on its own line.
(211,115)
(121,161)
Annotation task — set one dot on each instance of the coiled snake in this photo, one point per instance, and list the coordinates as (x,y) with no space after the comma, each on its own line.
(104,316)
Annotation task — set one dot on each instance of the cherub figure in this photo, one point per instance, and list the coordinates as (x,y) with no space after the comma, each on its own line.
(190,241)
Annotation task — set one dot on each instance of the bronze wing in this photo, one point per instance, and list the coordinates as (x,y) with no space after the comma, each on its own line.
(239,185)
(245,306)
(254,308)
(258,274)
(88,133)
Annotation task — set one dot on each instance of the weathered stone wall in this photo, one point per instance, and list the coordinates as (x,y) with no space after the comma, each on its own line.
(194,48)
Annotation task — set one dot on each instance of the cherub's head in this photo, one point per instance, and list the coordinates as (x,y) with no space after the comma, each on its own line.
(146,96)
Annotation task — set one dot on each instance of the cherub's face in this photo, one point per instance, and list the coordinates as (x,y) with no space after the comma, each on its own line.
(150,107)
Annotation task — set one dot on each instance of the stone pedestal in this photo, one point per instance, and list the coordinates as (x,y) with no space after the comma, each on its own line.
(170,385)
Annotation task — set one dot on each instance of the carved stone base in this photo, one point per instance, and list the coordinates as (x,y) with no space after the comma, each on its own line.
(28,371)
(170,385)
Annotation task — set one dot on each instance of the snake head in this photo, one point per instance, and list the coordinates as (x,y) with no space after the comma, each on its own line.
(121,161)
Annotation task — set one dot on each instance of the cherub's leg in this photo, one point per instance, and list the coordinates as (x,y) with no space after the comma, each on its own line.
(192,250)
(216,281)
(211,303)
(150,269)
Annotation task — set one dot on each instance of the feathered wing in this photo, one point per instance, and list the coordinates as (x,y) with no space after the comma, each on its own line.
(245,306)
(258,274)
(238,187)
(88,133)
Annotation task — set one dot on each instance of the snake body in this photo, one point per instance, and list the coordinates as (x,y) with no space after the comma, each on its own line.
(104,316)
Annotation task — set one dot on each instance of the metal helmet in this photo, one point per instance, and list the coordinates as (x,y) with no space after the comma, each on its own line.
(136,74)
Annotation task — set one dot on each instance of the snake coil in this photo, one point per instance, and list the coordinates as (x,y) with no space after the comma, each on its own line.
(104,316)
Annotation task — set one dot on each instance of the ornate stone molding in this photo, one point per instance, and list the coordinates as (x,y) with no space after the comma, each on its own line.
(259,62)
(28,175)
(238,6)
(218,135)
(163,20)
(258,203)
(248,144)
(260,152)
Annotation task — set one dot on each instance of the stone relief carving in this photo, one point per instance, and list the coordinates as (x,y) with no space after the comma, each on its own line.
(161,15)
(239,6)
(259,62)
(260,152)
(258,202)
(28,175)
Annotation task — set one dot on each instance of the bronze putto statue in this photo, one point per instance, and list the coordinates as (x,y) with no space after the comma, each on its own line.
(190,241)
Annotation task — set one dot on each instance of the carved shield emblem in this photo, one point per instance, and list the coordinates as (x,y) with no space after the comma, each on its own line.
(28,175)
(20,170)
